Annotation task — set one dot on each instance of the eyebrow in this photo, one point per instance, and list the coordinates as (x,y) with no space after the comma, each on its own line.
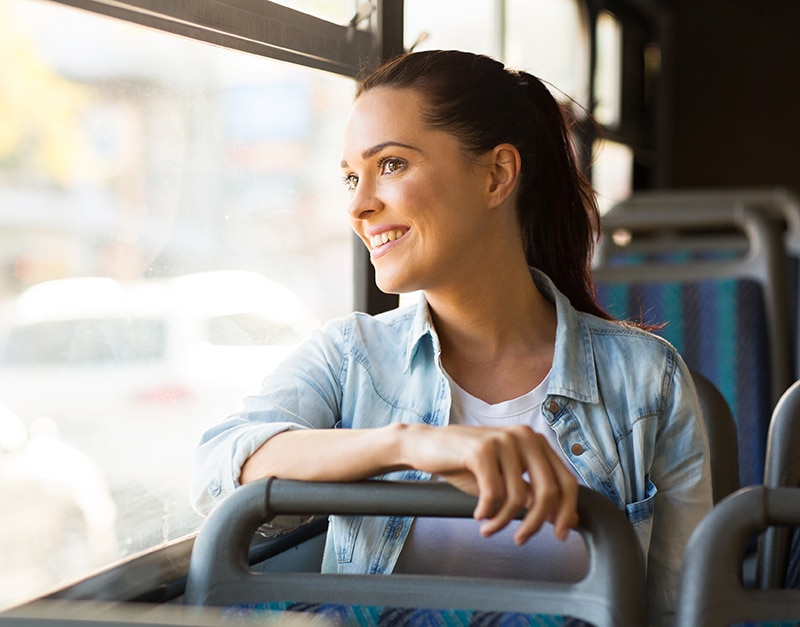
(370,152)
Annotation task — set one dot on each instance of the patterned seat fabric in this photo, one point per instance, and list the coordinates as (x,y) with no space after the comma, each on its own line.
(719,326)
(380,616)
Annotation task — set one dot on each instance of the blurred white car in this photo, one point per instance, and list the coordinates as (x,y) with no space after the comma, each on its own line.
(86,349)
(133,373)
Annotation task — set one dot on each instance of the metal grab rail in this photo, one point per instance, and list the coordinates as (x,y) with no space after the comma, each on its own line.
(612,593)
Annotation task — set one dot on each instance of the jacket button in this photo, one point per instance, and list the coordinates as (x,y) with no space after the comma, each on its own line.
(576,449)
(553,407)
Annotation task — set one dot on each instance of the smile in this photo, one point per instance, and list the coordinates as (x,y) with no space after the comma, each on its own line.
(387,236)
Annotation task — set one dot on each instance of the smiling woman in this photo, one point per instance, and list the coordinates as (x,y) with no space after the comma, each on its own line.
(504,378)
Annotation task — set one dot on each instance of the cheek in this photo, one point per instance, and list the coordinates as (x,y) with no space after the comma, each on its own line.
(420,199)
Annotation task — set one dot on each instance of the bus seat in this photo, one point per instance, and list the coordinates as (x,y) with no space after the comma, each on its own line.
(612,593)
(711,590)
(722,297)
(779,548)
(722,437)
(779,203)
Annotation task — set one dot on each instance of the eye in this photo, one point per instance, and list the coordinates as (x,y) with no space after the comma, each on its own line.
(350,182)
(391,165)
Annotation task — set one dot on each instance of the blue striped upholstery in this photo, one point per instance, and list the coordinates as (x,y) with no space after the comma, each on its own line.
(770,623)
(380,616)
(720,328)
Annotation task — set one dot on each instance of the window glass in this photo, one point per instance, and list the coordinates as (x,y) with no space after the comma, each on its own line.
(612,173)
(447,24)
(336,11)
(548,38)
(608,72)
(172,223)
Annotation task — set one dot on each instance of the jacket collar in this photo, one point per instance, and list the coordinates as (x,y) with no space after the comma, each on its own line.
(421,327)
(573,374)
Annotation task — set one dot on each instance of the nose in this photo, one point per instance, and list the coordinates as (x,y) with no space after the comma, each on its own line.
(363,202)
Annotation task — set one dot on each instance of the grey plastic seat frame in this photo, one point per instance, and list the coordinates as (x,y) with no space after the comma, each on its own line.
(764,262)
(778,203)
(711,590)
(722,438)
(612,593)
(782,469)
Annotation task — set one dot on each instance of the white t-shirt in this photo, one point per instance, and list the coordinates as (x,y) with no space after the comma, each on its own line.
(454,546)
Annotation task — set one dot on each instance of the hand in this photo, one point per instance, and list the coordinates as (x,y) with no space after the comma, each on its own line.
(492,463)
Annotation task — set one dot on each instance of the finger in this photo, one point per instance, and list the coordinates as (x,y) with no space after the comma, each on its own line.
(546,480)
(517,490)
(488,475)
(566,514)
(556,501)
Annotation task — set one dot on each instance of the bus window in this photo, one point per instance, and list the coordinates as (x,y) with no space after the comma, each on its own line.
(337,11)
(612,173)
(172,223)
(612,167)
(450,24)
(549,38)
(608,73)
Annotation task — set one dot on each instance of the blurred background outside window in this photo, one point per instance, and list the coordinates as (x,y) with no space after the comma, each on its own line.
(172,223)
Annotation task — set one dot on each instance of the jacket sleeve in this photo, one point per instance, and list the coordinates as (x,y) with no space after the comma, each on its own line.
(304,392)
(682,473)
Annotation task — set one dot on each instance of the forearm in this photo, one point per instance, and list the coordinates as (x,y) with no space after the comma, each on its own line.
(488,462)
(328,454)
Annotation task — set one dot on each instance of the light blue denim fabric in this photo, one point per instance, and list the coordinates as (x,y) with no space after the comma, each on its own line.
(621,401)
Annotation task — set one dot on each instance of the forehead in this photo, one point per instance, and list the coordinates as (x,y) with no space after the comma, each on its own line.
(383,114)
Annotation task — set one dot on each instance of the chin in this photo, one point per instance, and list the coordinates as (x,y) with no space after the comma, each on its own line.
(393,284)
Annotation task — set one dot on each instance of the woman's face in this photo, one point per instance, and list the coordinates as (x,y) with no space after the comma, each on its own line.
(418,202)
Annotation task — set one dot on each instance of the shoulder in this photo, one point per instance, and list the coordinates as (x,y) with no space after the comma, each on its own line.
(639,359)
(390,322)
(366,333)
(625,335)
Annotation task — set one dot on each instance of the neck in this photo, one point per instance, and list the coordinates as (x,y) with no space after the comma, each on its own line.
(491,316)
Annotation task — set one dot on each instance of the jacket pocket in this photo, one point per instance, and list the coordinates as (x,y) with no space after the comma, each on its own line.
(642,511)
(345,531)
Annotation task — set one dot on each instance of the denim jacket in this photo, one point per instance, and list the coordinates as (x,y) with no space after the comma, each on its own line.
(620,400)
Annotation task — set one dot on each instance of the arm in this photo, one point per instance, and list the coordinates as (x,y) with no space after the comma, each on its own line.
(487,462)
(682,473)
(288,431)
(302,394)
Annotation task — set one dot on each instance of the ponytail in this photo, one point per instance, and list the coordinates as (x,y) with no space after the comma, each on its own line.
(557,207)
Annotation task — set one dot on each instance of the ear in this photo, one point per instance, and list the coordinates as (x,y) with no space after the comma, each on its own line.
(505,164)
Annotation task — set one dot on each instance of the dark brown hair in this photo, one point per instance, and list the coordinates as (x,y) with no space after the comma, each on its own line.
(484,104)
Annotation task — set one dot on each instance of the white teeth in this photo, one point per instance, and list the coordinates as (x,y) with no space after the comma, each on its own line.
(386,236)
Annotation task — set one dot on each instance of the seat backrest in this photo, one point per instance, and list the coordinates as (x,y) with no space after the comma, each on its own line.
(722,437)
(778,203)
(612,593)
(782,469)
(711,590)
(726,311)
